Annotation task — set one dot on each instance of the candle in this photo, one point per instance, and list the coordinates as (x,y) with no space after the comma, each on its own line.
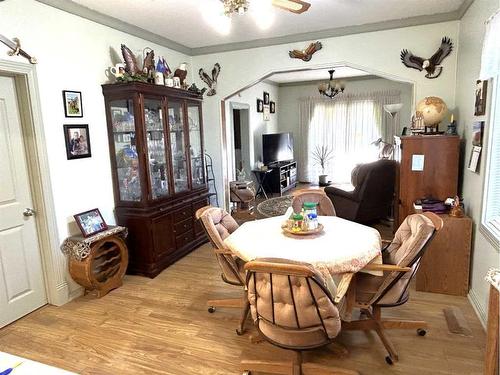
(452,118)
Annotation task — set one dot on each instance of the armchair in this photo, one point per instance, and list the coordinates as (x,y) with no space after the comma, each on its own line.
(325,206)
(373,192)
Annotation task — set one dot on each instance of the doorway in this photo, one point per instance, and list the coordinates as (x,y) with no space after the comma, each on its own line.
(22,285)
(241,141)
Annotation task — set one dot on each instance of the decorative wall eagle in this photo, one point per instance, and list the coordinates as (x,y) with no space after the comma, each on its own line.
(432,65)
(306,55)
(210,81)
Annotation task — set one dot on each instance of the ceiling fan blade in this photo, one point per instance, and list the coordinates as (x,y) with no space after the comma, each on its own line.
(294,6)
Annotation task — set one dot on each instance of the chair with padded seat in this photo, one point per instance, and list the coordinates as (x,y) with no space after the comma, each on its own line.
(324,204)
(218,225)
(401,260)
(292,309)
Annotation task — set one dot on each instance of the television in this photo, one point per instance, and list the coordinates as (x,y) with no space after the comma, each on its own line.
(277,147)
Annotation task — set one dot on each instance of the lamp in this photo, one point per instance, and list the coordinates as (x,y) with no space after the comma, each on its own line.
(393,110)
(331,88)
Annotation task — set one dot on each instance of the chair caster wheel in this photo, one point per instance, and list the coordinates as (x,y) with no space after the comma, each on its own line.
(389,360)
(247,373)
(421,332)
(211,309)
(240,332)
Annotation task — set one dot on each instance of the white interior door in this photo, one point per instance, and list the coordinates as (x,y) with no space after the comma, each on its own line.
(22,288)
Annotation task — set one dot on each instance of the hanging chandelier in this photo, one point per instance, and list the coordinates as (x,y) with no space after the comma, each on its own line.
(235,6)
(331,88)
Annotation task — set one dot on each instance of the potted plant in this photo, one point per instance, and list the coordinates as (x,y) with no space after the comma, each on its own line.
(322,155)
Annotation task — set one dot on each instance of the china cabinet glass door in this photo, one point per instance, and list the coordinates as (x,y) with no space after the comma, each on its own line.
(177,146)
(195,150)
(127,161)
(155,137)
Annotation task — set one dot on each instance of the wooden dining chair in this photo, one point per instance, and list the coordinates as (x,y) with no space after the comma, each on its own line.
(218,225)
(324,204)
(401,260)
(292,309)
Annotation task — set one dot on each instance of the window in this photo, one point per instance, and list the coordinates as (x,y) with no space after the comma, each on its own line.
(490,223)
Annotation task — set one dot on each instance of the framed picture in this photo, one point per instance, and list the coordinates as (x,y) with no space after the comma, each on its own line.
(272,107)
(72,103)
(267,117)
(260,106)
(90,222)
(266,98)
(477,133)
(481,91)
(77,141)
(475,155)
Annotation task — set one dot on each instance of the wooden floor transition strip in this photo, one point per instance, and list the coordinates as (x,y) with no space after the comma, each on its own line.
(456,321)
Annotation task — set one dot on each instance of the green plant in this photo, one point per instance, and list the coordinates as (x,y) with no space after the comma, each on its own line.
(322,155)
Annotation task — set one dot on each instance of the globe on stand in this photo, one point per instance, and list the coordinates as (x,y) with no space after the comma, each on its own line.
(434,110)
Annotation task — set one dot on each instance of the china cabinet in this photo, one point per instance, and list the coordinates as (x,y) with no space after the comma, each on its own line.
(156,149)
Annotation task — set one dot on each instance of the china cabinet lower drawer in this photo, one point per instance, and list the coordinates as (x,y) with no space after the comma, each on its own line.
(184,239)
(183,226)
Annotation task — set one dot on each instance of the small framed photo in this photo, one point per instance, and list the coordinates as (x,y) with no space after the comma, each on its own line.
(475,155)
(480,104)
(260,106)
(72,103)
(267,116)
(272,107)
(77,141)
(266,98)
(90,222)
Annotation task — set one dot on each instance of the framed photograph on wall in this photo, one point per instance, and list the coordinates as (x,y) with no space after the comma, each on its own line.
(77,141)
(267,112)
(260,106)
(266,98)
(272,107)
(72,103)
(481,93)
(477,133)
(90,222)
(475,155)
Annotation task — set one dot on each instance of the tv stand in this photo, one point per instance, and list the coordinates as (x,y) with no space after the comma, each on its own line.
(283,177)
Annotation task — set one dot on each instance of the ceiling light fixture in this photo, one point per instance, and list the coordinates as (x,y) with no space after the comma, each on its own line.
(331,88)
(231,7)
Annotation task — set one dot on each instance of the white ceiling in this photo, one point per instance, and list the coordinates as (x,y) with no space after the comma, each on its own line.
(182,20)
(342,72)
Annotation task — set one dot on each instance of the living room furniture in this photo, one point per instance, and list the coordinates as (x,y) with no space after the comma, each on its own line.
(242,193)
(218,225)
(427,168)
(276,206)
(293,310)
(373,293)
(157,162)
(98,262)
(491,366)
(283,177)
(261,175)
(373,193)
(445,266)
(324,204)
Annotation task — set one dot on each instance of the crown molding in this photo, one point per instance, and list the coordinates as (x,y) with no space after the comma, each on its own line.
(103,19)
(114,23)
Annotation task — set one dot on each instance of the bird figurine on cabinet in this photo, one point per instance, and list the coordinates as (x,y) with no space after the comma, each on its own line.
(131,66)
(181,73)
(148,65)
(210,81)
(432,65)
(306,55)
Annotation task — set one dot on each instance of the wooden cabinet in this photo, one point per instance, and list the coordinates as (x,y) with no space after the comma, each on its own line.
(445,265)
(283,177)
(156,149)
(428,168)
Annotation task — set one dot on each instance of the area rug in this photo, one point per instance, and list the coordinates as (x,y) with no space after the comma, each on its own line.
(274,206)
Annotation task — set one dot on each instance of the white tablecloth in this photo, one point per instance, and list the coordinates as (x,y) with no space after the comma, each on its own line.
(28,367)
(344,246)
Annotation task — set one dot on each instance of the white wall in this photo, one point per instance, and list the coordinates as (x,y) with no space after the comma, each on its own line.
(290,96)
(375,52)
(73,54)
(257,125)
(472,29)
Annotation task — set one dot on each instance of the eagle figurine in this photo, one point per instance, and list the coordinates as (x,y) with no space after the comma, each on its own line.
(306,55)
(432,66)
(210,81)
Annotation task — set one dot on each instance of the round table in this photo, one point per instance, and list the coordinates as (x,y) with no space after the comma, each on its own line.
(343,246)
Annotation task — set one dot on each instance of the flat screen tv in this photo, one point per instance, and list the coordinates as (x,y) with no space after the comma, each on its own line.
(277,147)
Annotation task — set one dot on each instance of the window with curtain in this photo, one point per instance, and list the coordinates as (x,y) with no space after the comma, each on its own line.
(490,68)
(347,126)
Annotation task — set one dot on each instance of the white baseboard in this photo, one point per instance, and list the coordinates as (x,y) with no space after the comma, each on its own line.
(478,308)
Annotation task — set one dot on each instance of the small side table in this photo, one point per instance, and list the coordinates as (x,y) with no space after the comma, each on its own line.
(98,262)
(261,176)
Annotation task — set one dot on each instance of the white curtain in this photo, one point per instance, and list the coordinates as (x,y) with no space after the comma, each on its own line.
(490,59)
(347,125)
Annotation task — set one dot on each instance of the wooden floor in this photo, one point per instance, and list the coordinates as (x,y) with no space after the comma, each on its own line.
(161,326)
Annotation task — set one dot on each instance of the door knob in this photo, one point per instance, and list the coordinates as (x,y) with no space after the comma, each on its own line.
(29,212)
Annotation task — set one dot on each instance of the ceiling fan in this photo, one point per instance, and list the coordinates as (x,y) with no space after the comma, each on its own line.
(241,6)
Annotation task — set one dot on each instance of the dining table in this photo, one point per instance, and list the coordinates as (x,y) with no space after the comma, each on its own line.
(337,253)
